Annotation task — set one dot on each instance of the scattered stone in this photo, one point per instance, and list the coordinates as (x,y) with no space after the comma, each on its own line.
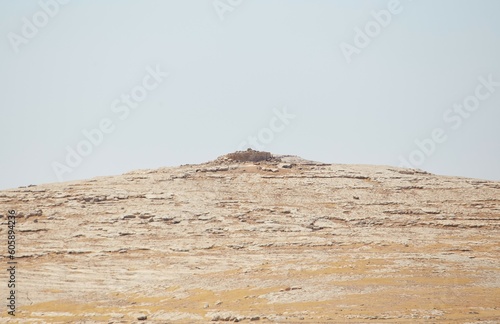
(227,317)
(37,212)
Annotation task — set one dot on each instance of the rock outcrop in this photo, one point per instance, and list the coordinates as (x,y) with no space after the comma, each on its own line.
(249,156)
(252,237)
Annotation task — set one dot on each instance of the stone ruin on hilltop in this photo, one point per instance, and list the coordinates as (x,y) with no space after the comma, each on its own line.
(249,156)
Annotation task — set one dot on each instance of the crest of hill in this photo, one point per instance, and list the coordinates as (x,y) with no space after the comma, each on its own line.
(261,156)
(249,156)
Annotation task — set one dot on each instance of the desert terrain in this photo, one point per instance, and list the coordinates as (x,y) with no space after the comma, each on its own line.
(274,240)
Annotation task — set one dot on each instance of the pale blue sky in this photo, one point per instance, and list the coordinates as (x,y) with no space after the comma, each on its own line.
(228,77)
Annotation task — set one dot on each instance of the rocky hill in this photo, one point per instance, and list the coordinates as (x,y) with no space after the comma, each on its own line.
(252,237)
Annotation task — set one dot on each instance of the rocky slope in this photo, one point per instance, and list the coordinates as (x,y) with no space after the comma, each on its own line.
(272,240)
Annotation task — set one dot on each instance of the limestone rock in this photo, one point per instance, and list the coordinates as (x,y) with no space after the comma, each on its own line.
(274,238)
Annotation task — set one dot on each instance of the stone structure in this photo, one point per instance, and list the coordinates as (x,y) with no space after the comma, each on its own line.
(249,156)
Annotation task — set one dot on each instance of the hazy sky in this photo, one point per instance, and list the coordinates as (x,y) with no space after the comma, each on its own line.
(93,88)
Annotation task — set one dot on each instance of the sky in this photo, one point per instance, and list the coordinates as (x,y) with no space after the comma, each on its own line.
(94,88)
